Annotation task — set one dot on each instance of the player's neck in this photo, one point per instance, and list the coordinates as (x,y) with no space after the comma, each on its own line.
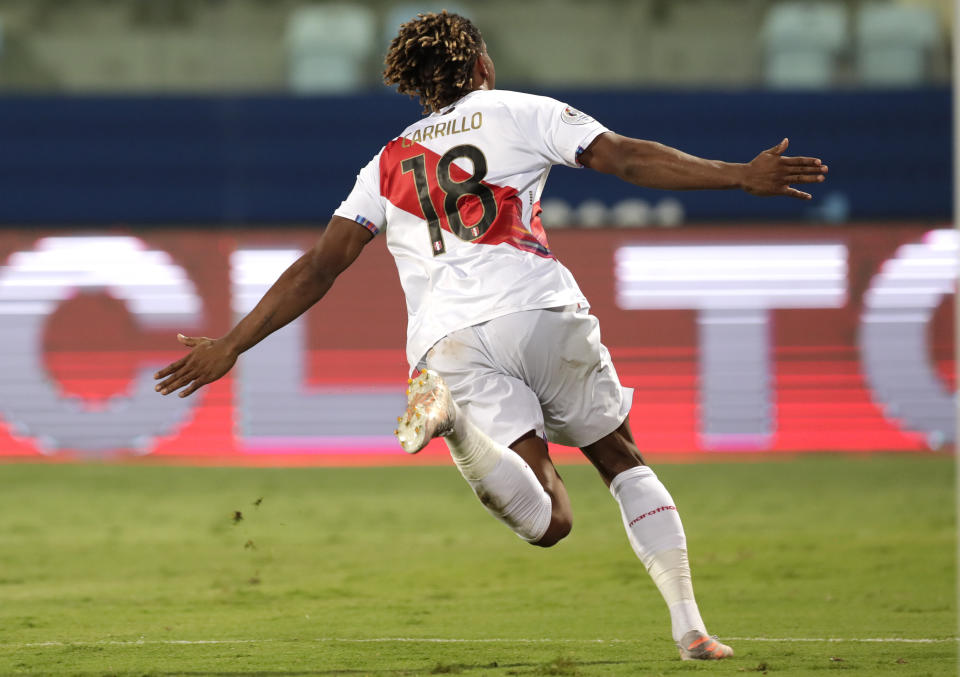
(446,106)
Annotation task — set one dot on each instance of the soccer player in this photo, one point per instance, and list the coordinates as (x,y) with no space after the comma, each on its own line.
(508,354)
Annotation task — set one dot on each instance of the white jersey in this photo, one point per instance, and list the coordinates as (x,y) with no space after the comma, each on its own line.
(458,195)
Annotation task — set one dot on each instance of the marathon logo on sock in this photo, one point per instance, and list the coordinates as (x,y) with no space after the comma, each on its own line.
(652,512)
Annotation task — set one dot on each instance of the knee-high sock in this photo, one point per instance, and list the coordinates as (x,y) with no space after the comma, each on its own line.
(501,480)
(656,535)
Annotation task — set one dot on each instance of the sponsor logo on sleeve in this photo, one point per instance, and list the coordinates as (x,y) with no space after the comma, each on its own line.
(572,116)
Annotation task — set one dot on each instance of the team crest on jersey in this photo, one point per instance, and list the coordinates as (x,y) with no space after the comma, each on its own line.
(572,116)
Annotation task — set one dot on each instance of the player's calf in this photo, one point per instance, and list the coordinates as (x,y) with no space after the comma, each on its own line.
(502,481)
(533,450)
(560,526)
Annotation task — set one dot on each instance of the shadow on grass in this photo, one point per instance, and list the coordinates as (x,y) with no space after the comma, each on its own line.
(559,666)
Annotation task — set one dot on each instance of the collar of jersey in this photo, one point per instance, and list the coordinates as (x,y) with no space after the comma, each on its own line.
(446,109)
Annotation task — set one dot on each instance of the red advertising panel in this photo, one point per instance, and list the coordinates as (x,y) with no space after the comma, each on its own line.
(769,339)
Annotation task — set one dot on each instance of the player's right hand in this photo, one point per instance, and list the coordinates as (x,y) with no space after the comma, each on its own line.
(209,360)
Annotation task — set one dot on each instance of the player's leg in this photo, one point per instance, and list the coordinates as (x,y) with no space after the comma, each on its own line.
(656,535)
(517,483)
(614,453)
(533,450)
(584,405)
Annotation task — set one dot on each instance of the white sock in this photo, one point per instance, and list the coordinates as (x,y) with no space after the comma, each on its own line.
(656,535)
(501,480)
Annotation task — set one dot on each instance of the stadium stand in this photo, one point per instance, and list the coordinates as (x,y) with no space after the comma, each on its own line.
(329,47)
(895,43)
(802,41)
(211,135)
(247,45)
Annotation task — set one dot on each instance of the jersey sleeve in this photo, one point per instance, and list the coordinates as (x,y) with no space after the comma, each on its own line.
(563,131)
(365,204)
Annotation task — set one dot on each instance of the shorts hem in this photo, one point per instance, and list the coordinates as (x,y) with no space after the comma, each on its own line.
(625,405)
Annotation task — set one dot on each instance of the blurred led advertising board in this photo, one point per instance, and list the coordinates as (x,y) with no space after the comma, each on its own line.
(773,339)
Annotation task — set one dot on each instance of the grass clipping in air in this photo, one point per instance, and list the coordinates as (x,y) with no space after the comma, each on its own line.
(140,570)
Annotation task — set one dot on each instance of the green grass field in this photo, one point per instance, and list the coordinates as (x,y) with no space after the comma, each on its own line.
(399,571)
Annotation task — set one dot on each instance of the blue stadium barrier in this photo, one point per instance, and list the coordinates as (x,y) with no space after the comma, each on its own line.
(237,160)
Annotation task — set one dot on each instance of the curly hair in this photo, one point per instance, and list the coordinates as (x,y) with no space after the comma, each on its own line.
(432,57)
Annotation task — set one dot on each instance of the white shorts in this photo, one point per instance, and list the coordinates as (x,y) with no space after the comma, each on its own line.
(542,370)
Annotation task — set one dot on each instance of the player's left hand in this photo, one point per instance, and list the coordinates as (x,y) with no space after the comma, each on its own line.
(770,173)
(209,360)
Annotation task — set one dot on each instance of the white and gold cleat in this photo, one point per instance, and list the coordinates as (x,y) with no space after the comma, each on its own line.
(430,412)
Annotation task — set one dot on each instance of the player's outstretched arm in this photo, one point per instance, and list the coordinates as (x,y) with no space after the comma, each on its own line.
(300,286)
(654,165)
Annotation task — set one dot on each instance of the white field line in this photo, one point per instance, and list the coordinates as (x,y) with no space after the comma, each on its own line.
(901,640)
(457,640)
